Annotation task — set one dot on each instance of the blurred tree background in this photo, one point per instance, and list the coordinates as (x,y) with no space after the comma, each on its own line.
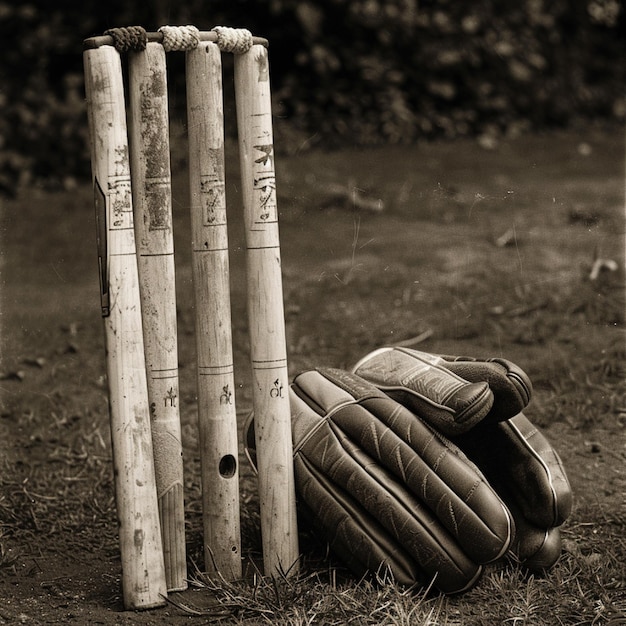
(343,71)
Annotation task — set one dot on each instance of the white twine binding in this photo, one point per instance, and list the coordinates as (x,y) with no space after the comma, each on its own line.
(180,38)
(235,40)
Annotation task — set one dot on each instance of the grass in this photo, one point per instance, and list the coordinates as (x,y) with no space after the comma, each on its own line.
(476,252)
(587,587)
(315,598)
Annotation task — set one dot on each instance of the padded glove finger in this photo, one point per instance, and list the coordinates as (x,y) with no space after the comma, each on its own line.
(538,549)
(359,506)
(359,541)
(371,471)
(423,383)
(515,456)
(508,382)
(338,507)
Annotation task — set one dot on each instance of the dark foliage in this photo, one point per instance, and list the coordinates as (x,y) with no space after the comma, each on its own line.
(361,72)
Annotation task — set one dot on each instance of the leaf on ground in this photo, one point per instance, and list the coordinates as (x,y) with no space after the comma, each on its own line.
(17,375)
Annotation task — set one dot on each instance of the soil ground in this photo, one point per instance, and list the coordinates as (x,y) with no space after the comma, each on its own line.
(480,252)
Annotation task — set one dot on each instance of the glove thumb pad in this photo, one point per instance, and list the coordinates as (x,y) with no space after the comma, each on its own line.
(517,458)
(510,385)
(537,549)
(424,384)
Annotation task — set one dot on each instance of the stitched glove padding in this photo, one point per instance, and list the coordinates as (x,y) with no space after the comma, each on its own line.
(387,492)
(391,493)
(524,468)
(453,394)
(511,387)
(420,381)
(516,458)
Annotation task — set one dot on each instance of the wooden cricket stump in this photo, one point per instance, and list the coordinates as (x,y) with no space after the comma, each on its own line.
(132,194)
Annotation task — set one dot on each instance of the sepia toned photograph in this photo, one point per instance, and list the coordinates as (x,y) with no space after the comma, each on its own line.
(312,312)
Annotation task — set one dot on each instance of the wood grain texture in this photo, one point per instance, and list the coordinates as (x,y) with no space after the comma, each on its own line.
(143,572)
(266,313)
(152,207)
(217,417)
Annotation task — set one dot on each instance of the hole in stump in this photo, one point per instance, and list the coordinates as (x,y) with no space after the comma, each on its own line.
(228,466)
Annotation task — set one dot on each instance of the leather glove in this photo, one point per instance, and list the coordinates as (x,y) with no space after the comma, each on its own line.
(388,493)
(516,458)
(429,473)
(453,394)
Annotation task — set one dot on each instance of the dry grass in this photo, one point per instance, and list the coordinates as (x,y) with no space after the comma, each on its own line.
(315,598)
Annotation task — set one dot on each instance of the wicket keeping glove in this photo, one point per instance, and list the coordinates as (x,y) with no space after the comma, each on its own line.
(391,493)
(515,457)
